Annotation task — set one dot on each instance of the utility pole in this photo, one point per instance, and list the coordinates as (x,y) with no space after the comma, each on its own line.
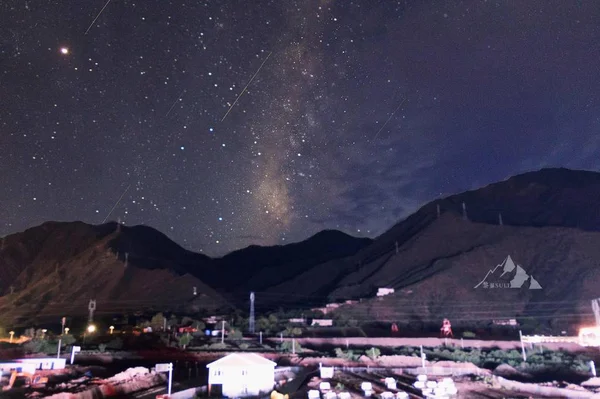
(126,258)
(293,346)
(251,320)
(260,335)
(396,247)
(439,211)
(223,331)
(464,209)
(500,220)
(522,346)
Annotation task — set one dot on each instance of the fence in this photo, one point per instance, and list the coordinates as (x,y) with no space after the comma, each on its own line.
(432,370)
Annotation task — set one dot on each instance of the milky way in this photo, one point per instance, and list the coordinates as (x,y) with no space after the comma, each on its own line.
(354,113)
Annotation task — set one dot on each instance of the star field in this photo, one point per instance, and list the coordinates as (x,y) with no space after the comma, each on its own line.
(342,114)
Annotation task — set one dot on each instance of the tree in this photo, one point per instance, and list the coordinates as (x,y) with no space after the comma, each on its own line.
(185,340)
(67,339)
(268,325)
(173,321)
(291,331)
(199,325)
(157,322)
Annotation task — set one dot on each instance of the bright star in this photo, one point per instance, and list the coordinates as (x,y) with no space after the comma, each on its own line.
(64,50)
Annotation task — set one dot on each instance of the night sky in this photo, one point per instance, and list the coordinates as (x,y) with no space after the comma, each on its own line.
(355,112)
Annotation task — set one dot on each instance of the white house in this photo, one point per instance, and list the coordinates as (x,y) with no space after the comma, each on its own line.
(322,322)
(505,322)
(240,375)
(385,291)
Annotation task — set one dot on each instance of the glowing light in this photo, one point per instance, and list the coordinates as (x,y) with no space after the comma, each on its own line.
(91,328)
(64,50)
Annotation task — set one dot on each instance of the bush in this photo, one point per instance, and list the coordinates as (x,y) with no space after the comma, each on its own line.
(244,346)
(289,347)
(218,346)
(115,344)
(40,346)
(235,334)
(185,340)
(349,354)
(102,348)
(373,353)
(468,334)
(67,340)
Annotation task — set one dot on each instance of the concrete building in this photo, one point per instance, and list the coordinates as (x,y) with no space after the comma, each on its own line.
(239,375)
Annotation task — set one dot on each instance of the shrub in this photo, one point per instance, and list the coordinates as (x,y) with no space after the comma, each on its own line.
(115,344)
(40,346)
(67,340)
(218,346)
(243,346)
(102,348)
(235,334)
(185,340)
(373,353)
(349,354)
(469,334)
(289,347)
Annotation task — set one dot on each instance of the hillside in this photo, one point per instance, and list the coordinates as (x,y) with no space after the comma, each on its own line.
(56,268)
(436,261)
(257,268)
(434,258)
(436,272)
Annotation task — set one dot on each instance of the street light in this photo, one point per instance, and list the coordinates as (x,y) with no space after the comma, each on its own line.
(91,328)
(11,336)
(67,330)
(44,331)
(111,328)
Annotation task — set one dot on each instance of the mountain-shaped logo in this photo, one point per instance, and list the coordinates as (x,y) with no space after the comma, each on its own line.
(508,275)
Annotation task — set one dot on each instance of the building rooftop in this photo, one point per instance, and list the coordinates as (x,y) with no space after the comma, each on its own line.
(241,359)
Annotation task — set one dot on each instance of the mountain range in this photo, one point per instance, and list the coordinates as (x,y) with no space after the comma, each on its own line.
(535,229)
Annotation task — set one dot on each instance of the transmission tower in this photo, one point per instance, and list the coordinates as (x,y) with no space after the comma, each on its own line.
(92,309)
(251,321)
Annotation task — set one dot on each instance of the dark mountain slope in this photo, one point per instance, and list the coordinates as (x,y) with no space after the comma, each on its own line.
(258,268)
(56,268)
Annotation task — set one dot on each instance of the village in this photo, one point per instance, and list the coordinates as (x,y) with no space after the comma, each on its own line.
(275,356)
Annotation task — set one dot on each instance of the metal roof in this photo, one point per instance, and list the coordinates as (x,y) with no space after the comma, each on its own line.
(238,359)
